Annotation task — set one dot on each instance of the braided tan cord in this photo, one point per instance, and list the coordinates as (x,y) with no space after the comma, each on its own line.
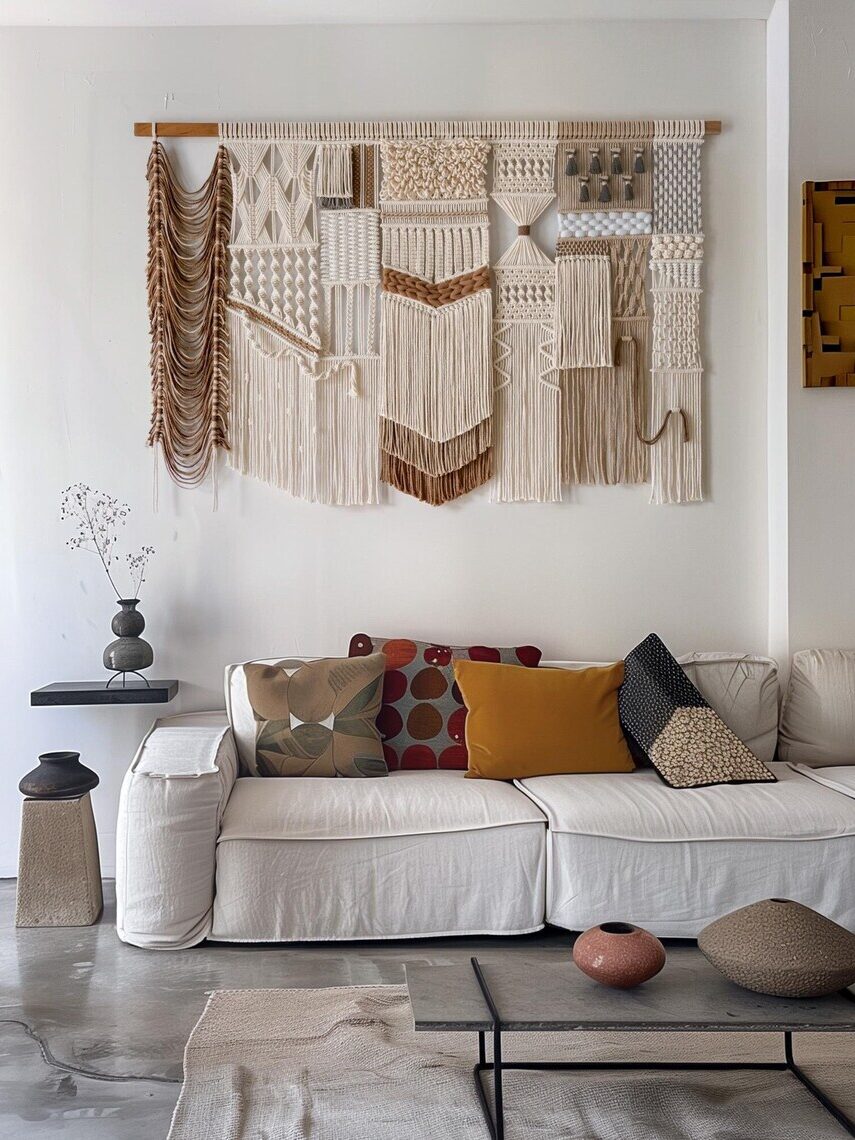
(188,232)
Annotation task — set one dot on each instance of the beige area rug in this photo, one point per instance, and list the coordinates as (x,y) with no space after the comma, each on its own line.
(345,1064)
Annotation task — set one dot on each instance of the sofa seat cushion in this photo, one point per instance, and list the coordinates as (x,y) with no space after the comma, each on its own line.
(638,806)
(627,847)
(419,854)
(406,803)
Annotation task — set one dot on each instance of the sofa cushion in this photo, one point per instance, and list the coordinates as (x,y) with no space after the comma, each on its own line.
(667,720)
(530,722)
(818,715)
(640,807)
(297,717)
(423,716)
(743,690)
(407,803)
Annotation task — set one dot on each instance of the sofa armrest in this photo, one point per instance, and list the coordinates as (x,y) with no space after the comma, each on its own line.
(170,809)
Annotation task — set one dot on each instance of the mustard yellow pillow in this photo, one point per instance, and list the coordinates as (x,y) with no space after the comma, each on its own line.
(541,722)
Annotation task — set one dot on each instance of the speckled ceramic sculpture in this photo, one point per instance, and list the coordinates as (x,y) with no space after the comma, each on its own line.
(619,954)
(781,947)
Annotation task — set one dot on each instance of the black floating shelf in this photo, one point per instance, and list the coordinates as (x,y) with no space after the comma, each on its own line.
(133,692)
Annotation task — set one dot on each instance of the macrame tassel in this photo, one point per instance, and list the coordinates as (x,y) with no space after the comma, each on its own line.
(676,462)
(605,192)
(437,364)
(639,160)
(600,407)
(594,166)
(430,457)
(617,165)
(441,489)
(583,311)
(584,190)
(187,282)
(628,192)
(527,404)
(571,167)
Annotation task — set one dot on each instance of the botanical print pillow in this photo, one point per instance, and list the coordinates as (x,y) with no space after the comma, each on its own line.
(311,718)
(668,721)
(423,718)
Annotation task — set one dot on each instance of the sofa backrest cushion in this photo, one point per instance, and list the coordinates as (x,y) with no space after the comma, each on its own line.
(818,714)
(743,690)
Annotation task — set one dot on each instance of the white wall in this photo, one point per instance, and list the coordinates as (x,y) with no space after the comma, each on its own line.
(265,575)
(821,421)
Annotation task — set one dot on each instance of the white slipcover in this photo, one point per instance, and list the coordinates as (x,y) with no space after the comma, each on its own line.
(411,855)
(672,860)
(818,715)
(170,809)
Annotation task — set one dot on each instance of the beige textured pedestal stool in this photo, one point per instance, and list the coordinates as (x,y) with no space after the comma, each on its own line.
(59,872)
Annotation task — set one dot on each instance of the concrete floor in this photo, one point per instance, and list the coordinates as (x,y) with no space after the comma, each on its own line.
(92,1032)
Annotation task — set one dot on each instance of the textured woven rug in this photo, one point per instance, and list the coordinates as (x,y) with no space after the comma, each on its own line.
(345,1064)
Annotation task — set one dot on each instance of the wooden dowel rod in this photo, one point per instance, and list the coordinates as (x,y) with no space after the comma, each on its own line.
(211,130)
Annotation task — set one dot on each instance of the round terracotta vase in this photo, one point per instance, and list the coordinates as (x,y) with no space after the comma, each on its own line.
(619,954)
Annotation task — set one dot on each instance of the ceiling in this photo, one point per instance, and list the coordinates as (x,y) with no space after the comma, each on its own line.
(164,13)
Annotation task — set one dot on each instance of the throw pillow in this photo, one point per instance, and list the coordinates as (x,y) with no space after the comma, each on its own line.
(668,721)
(542,722)
(423,718)
(308,718)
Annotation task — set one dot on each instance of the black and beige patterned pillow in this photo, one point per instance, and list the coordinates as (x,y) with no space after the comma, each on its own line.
(669,723)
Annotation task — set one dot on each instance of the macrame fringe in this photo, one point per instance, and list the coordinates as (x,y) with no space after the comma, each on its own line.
(430,457)
(437,364)
(527,401)
(583,311)
(440,489)
(334,172)
(676,467)
(186,273)
(601,413)
(306,434)
(436,253)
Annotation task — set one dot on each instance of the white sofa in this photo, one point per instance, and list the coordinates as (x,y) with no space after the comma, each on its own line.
(202,853)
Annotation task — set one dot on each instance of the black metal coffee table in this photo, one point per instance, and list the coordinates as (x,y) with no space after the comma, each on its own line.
(688,996)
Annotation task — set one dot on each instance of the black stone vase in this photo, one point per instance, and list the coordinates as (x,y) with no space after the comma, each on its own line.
(128,653)
(59,776)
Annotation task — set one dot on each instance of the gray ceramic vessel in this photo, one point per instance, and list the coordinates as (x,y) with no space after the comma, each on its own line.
(782,948)
(129,652)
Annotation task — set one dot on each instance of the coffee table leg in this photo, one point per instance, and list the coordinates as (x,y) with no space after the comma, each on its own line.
(815,1092)
(497,1084)
(497,1123)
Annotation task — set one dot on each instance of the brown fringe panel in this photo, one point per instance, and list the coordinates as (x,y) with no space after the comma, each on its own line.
(601,412)
(435,294)
(188,232)
(434,458)
(440,489)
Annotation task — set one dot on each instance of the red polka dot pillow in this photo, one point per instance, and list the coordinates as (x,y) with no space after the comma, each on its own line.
(422,719)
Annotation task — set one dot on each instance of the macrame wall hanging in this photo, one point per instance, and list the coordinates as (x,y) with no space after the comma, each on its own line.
(343,327)
(186,273)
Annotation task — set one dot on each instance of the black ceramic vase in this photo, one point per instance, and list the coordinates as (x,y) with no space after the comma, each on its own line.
(59,776)
(128,653)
